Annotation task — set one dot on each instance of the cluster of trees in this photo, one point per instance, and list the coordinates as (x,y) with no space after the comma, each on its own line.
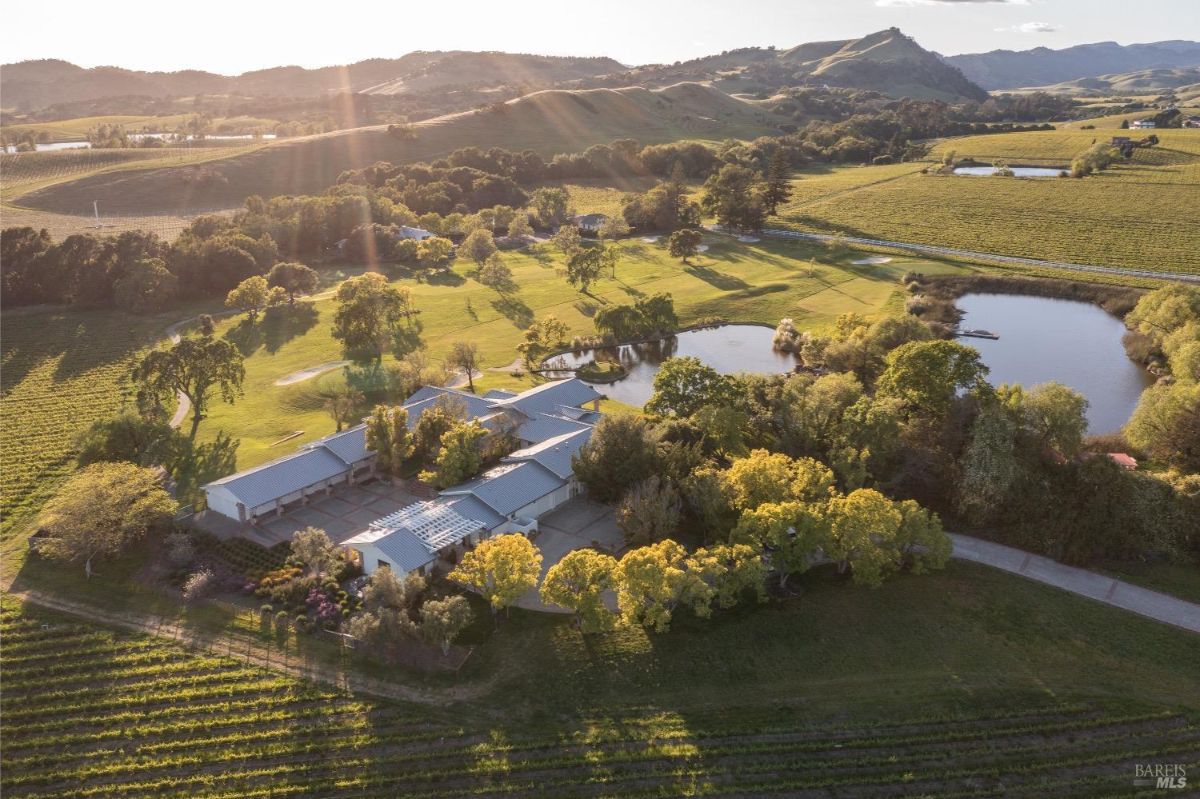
(395,611)
(663,208)
(742,198)
(1096,158)
(1165,331)
(648,316)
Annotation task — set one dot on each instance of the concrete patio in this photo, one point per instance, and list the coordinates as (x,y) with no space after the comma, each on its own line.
(346,512)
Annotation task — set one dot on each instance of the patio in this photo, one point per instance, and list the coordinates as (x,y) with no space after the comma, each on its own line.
(346,512)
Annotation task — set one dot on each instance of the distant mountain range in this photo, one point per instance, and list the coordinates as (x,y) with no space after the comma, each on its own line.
(886,61)
(1041,66)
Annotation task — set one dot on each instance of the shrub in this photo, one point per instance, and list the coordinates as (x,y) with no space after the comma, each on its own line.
(199,585)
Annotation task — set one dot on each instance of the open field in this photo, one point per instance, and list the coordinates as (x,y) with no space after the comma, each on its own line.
(62,369)
(77,129)
(738,282)
(983,697)
(548,122)
(1139,215)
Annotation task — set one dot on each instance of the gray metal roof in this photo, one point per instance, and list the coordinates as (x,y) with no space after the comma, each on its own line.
(498,394)
(267,483)
(470,507)
(405,550)
(543,427)
(547,397)
(349,445)
(427,396)
(510,486)
(555,453)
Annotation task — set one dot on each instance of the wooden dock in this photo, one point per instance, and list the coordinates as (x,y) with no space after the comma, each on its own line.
(977,334)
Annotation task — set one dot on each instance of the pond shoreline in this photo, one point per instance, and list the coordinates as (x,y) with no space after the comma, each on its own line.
(597,345)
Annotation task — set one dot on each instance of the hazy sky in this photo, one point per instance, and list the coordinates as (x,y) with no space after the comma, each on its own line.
(229,36)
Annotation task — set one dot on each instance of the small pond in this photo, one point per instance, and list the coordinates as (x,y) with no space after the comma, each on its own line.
(1018,171)
(728,349)
(1076,343)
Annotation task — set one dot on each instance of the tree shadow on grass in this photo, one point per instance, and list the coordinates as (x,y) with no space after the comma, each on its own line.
(515,310)
(720,280)
(283,323)
(203,463)
(445,277)
(407,339)
(246,335)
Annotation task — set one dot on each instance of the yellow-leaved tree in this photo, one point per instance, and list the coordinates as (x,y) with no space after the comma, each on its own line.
(500,569)
(577,582)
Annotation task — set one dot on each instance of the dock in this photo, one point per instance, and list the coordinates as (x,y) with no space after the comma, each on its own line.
(977,334)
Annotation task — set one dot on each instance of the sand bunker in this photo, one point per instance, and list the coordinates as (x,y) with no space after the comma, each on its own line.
(874,259)
(651,239)
(702,248)
(749,239)
(309,373)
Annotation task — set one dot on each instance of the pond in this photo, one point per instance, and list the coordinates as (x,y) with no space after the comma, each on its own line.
(1076,343)
(728,349)
(1018,171)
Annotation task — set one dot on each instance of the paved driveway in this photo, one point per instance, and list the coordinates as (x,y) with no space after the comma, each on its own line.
(576,524)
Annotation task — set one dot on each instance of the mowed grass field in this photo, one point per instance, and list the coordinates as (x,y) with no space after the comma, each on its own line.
(1140,214)
(964,683)
(735,281)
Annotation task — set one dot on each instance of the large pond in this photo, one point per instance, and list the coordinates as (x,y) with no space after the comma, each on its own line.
(729,349)
(1018,171)
(1076,343)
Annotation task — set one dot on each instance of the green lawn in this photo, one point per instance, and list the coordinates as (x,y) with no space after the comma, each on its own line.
(967,682)
(739,282)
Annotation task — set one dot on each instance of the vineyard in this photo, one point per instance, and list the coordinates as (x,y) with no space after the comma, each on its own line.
(89,713)
(61,371)
(1138,215)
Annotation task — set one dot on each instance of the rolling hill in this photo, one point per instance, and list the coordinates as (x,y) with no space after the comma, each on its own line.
(29,85)
(1138,82)
(1041,66)
(549,122)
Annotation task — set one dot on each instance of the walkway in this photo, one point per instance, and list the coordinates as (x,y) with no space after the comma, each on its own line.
(1100,587)
(929,249)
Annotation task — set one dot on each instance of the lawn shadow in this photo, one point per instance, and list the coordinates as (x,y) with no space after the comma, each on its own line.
(445,277)
(246,336)
(515,310)
(283,323)
(720,280)
(407,339)
(203,463)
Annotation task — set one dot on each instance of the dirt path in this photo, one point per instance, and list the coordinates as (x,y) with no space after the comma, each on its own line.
(252,650)
(309,373)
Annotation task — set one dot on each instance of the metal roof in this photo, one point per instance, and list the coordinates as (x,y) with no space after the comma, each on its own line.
(555,454)
(543,427)
(401,548)
(349,445)
(269,482)
(470,507)
(435,524)
(498,394)
(547,397)
(510,486)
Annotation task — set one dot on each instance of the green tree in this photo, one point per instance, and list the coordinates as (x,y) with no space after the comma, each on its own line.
(464,356)
(250,296)
(343,405)
(442,620)
(1166,424)
(920,538)
(551,205)
(431,425)
(778,186)
(622,451)
(862,532)
(369,313)
(789,533)
(588,264)
(101,510)
(650,581)
(144,439)
(723,574)
(294,278)
(989,464)
(479,246)
(567,240)
(684,385)
(925,376)
(734,196)
(500,569)
(495,274)
(763,477)
(1056,415)
(434,252)
(146,287)
(193,368)
(578,582)
(683,244)
(649,511)
(520,227)
(388,437)
(313,548)
(459,456)
(540,339)
(658,313)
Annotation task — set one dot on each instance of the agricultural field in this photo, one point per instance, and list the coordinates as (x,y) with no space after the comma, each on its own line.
(760,282)
(1135,215)
(77,129)
(782,699)
(62,369)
